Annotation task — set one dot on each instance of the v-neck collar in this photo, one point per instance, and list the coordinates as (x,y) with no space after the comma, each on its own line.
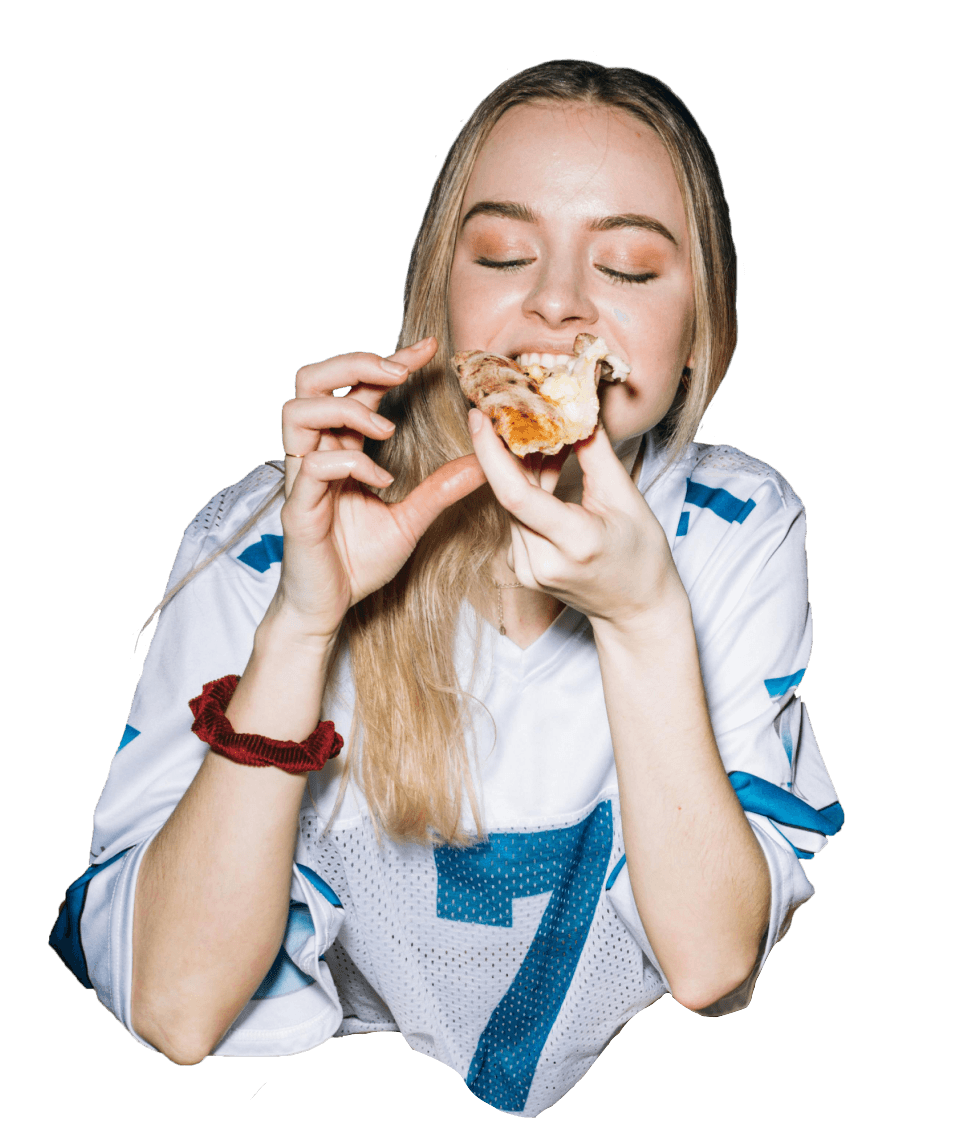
(523,664)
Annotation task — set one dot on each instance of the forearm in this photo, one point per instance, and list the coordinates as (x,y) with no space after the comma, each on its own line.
(212,897)
(700,881)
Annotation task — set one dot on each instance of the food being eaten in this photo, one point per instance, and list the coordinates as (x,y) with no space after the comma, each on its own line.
(536,407)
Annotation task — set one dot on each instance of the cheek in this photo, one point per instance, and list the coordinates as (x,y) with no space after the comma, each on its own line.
(478,306)
(660,337)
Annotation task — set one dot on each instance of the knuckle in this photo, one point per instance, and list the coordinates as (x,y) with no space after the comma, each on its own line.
(360,359)
(315,462)
(304,379)
(585,551)
(513,500)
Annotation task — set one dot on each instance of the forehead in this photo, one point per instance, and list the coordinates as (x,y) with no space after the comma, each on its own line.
(576,159)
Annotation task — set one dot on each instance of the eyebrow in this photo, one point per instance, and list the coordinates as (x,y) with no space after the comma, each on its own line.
(633,221)
(518,212)
(513,210)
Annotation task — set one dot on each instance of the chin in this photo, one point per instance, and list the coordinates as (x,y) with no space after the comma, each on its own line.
(626,414)
(620,427)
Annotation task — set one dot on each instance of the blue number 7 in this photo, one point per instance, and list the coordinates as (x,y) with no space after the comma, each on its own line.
(478,884)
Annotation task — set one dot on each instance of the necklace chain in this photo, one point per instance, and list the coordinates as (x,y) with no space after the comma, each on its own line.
(500,586)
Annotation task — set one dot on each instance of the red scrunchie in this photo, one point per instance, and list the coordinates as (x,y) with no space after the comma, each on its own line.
(212,726)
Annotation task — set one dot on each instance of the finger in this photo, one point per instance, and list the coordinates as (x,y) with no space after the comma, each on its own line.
(318,469)
(551,469)
(414,356)
(367,375)
(606,481)
(536,508)
(365,370)
(521,558)
(304,420)
(447,485)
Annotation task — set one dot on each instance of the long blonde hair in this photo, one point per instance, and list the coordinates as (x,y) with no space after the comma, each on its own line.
(407,747)
(411,757)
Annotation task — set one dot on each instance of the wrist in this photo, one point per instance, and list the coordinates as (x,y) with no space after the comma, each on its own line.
(666,618)
(283,629)
(280,692)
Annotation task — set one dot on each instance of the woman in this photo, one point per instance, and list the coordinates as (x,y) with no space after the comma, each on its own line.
(544,669)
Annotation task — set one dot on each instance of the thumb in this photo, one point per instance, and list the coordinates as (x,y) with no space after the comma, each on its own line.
(447,485)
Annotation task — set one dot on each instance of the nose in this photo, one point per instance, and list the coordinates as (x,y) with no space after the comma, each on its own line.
(560,296)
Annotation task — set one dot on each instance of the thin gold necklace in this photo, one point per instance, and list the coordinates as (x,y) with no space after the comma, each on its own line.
(499,586)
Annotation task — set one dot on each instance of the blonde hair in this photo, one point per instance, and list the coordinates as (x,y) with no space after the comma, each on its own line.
(407,746)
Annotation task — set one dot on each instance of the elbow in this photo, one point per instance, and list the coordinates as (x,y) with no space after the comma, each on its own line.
(699,997)
(727,991)
(177,1047)
(185,1056)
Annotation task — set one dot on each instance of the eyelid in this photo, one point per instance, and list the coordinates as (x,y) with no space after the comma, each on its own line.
(514,263)
(632,278)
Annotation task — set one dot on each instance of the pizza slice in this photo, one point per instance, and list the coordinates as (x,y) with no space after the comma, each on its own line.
(539,408)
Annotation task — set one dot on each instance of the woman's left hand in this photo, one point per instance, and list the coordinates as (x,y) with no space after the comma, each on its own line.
(608,557)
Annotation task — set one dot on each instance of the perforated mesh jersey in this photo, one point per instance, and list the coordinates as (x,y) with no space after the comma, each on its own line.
(515,961)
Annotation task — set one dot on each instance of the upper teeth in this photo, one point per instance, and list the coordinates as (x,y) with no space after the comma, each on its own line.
(545,359)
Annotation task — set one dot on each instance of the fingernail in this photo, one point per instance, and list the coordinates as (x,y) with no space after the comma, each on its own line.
(379,421)
(422,343)
(393,368)
(475,420)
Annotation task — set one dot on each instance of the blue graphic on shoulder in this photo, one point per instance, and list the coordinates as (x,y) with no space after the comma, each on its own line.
(321,886)
(127,736)
(764,798)
(719,501)
(260,555)
(683,527)
(478,884)
(65,937)
(780,684)
(285,976)
(617,869)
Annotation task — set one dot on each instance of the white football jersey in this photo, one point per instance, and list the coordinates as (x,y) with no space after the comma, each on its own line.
(517,960)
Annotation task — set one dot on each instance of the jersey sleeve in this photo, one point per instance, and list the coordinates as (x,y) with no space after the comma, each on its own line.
(740,549)
(204,632)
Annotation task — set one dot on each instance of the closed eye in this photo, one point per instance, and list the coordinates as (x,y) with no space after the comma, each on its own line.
(630,278)
(508,266)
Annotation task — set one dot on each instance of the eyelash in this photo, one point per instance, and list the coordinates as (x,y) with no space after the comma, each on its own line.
(627,278)
(514,266)
(506,266)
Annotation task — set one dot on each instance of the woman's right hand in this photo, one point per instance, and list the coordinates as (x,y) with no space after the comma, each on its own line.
(342,542)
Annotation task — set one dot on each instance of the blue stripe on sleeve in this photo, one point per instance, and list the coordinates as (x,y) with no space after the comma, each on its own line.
(617,869)
(260,555)
(719,501)
(65,937)
(683,526)
(127,736)
(322,887)
(764,798)
(285,976)
(780,684)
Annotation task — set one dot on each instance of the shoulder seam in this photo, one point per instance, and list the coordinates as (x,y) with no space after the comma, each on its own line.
(731,461)
(216,512)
